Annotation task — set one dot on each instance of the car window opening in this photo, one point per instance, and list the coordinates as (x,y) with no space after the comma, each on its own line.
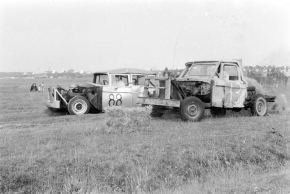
(120,80)
(231,71)
(102,79)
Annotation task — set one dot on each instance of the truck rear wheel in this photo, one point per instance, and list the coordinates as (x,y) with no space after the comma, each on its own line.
(259,105)
(191,109)
(78,105)
(218,112)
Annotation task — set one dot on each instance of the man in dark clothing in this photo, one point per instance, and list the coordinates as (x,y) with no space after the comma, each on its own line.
(33,88)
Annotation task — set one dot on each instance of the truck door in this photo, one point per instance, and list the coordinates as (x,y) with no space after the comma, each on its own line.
(228,90)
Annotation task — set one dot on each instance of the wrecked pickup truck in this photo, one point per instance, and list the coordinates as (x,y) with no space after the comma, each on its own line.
(214,85)
(119,87)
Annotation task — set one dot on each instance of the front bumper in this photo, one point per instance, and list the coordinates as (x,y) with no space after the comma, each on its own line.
(53,104)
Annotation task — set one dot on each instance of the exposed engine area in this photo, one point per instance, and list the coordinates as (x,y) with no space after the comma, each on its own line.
(87,91)
(195,88)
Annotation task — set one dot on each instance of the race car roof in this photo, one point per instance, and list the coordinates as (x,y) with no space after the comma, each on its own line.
(127,71)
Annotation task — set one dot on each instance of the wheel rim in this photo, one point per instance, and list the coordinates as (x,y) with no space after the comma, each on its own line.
(79,107)
(192,110)
(261,106)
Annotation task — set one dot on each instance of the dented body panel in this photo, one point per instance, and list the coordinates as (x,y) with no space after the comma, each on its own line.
(228,94)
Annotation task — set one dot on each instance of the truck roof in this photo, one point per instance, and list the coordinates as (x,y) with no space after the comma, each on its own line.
(127,71)
(221,61)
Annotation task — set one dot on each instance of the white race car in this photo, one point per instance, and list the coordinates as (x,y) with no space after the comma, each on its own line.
(120,87)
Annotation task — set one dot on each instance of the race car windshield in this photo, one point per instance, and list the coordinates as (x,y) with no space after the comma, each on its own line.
(202,70)
(102,79)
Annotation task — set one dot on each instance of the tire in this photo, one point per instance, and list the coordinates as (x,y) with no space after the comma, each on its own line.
(191,109)
(78,105)
(156,111)
(259,106)
(218,112)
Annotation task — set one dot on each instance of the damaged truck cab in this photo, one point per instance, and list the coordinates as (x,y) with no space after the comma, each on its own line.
(214,85)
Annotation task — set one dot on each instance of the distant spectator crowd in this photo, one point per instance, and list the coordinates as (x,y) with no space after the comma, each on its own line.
(268,75)
(169,73)
(265,75)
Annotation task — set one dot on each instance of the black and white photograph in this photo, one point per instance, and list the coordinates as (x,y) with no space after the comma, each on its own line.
(145,96)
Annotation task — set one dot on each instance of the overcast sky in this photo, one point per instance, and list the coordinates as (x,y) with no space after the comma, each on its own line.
(97,35)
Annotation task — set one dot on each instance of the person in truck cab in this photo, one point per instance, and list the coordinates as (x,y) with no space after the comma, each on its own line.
(224,76)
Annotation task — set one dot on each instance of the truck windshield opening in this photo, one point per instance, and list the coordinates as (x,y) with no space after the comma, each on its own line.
(201,69)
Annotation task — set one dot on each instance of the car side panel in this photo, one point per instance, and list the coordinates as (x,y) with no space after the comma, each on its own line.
(117,96)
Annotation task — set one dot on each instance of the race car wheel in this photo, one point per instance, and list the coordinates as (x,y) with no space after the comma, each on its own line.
(191,109)
(259,105)
(218,112)
(78,105)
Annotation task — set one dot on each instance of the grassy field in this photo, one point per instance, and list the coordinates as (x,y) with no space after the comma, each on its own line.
(45,152)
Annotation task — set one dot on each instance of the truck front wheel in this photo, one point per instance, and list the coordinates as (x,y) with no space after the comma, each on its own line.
(78,105)
(259,105)
(191,109)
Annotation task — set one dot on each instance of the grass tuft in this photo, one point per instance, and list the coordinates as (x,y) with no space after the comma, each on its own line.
(127,120)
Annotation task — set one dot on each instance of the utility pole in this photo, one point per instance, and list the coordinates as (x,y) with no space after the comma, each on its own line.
(175,47)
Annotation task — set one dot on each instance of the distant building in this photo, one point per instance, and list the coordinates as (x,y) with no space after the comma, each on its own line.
(28,73)
(70,71)
(81,71)
(43,75)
